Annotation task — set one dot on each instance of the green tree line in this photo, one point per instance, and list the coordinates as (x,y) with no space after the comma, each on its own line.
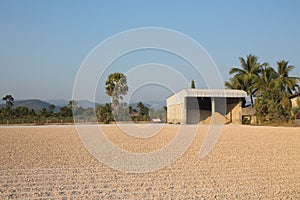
(22,114)
(269,88)
(101,113)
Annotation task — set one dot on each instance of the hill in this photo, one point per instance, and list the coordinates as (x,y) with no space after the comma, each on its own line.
(149,104)
(58,102)
(34,104)
(38,105)
(80,103)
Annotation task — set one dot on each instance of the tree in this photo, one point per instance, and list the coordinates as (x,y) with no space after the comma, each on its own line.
(65,111)
(44,112)
(266,80)
(72,104)
(193,84)
(287,83)
(143,110)
(104,113)
(237,82)
(51,108)
(249,71)
(140,105)
(116,86)
(273,89)
(9,101)
(22,112)
(130,109)
(272,106)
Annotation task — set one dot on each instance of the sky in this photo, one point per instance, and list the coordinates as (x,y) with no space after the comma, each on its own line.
(44,43)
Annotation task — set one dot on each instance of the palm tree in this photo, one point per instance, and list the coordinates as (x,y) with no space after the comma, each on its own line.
(287,83)
(72,104)
(116,86)
(51,108)
(249,71)
(44,112)
(9,101)
(237,82)
(266,80)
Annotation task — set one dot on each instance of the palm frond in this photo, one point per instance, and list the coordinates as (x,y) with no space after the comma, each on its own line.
(237,71)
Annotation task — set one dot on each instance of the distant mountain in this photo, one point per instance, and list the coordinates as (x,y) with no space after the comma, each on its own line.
(86,104)
(149,104)
(58,102)
(156,103)
(35,104)
(80,103)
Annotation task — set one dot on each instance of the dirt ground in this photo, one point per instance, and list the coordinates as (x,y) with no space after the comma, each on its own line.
(51,162)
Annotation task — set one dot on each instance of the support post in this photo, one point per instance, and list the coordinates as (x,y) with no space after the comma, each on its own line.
(240,113)
(184,111)
(213,108)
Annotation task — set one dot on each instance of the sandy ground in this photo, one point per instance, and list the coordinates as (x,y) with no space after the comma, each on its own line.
(246,163)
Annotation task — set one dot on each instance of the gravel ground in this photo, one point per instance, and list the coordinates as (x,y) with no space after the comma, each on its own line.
(246,163)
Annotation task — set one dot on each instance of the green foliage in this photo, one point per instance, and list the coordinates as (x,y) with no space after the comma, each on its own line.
(104,113)
(22,114)
(9,101)
(51,108)
(43,113)
(65,111)
(237,82)
(270,87)
(246,76)
(285,82)
(141,118)
(143,110)
(193,84)
(158,113)
(273,105)
(246,121)
(143,113)
(116,86)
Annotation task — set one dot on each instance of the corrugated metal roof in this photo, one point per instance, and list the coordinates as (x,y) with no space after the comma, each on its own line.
(178,97)
(215,93)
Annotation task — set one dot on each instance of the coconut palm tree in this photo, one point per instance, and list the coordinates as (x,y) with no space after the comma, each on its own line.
(266,80)
(237,82)
(287,83)
(248,73)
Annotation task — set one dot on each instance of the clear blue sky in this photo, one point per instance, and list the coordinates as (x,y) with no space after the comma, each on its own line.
(43,43)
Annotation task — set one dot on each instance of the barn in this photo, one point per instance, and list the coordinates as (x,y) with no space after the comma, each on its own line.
(193,106)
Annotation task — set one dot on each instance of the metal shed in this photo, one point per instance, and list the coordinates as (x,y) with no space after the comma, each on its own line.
(193,106)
